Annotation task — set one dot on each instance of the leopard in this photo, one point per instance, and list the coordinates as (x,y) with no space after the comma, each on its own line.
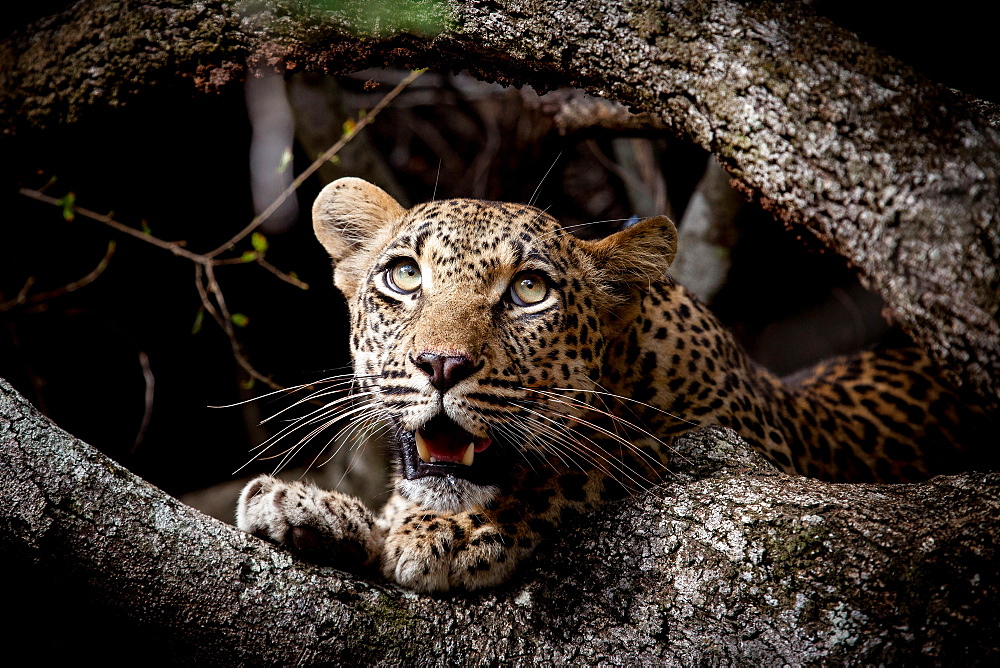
(528,375)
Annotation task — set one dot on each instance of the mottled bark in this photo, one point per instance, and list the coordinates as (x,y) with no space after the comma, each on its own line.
(890,170)
(731,563)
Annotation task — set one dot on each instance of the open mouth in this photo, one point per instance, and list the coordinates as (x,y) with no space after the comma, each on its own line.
(442,448)
(443,441)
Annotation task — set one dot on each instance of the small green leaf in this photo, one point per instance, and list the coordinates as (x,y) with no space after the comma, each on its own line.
(67,202)
(146,229)
(259,242)
(335,160)
(349,126)
(286,160)
(249,256)
(248,383)
(293,275)
(239,319)
(199,318)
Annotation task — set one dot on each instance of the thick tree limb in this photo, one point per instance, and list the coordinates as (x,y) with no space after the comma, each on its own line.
(731,564)
(893,172)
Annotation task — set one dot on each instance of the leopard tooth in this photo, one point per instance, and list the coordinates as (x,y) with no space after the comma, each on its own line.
(422,450)
(470,454)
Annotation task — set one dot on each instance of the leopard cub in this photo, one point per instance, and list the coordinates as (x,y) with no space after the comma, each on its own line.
(529,376)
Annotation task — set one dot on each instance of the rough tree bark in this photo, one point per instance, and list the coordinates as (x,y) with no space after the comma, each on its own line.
(893,172)
(740,565)
(731,564)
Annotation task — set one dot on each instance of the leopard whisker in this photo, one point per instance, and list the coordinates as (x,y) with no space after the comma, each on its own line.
(328,418)
(567,229)
(337,417)
(628,445)
(616,419)
(351,436)
(566,438)
(318,394)
(625,399)
(355,457)
(594,452)
(535,438)
(343,413)
(319,414)
(287,390)
(563,440)
(363,423)
(538,188)
(512,434)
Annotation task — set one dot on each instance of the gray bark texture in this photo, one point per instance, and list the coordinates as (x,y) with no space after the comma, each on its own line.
(891,171)
(732,563)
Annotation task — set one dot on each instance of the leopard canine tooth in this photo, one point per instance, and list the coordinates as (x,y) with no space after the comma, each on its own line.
(422,450)
(470,454)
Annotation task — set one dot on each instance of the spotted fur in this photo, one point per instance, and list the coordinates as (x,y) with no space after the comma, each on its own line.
(568,400)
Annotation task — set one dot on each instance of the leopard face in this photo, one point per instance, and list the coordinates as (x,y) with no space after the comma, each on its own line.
(479,330)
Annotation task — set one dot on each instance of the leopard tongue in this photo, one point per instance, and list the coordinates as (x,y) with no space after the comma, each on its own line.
(435,450)
(455,446)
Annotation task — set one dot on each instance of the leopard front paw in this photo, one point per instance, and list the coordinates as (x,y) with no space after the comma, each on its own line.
(428,553)
(318,525)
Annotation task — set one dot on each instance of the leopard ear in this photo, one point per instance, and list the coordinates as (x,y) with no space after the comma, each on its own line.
(349,213)
(638,255)
(348,217)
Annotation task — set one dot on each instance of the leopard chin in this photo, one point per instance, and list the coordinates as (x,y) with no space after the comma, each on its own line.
(446,493)
(445,468)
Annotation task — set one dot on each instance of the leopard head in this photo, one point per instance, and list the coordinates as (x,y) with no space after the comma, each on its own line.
(479,329)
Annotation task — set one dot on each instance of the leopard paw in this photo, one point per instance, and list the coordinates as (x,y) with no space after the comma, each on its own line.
(318,525)
(428,552)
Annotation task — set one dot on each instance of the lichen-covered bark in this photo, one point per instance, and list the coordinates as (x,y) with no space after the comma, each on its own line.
(893,172)
(730,564)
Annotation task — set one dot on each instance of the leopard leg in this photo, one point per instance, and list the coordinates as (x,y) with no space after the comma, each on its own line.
(318,525)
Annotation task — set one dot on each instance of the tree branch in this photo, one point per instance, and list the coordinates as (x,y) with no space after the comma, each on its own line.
(721,566)
(895,173)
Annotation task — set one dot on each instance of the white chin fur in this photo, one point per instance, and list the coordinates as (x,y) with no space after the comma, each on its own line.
(446,493)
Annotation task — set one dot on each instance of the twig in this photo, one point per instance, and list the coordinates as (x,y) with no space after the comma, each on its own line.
(225,323)
(282,275)
(172,246)
(319,162)
(209,290)
(23,298)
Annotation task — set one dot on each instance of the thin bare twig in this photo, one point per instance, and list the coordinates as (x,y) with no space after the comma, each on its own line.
(327,155)
(209,291)
(282,275)
(24,298)
(172,246)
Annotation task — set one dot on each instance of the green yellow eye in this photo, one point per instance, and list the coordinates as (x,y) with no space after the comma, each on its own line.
(403,275)
(528,289)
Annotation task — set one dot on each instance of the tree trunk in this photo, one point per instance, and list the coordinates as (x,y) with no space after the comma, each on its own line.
(736,564)
(732,563)
(895,173)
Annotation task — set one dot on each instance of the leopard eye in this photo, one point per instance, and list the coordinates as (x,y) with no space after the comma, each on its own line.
(528,289)
(403,275)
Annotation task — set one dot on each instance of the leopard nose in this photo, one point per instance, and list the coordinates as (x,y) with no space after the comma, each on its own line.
(446,370)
